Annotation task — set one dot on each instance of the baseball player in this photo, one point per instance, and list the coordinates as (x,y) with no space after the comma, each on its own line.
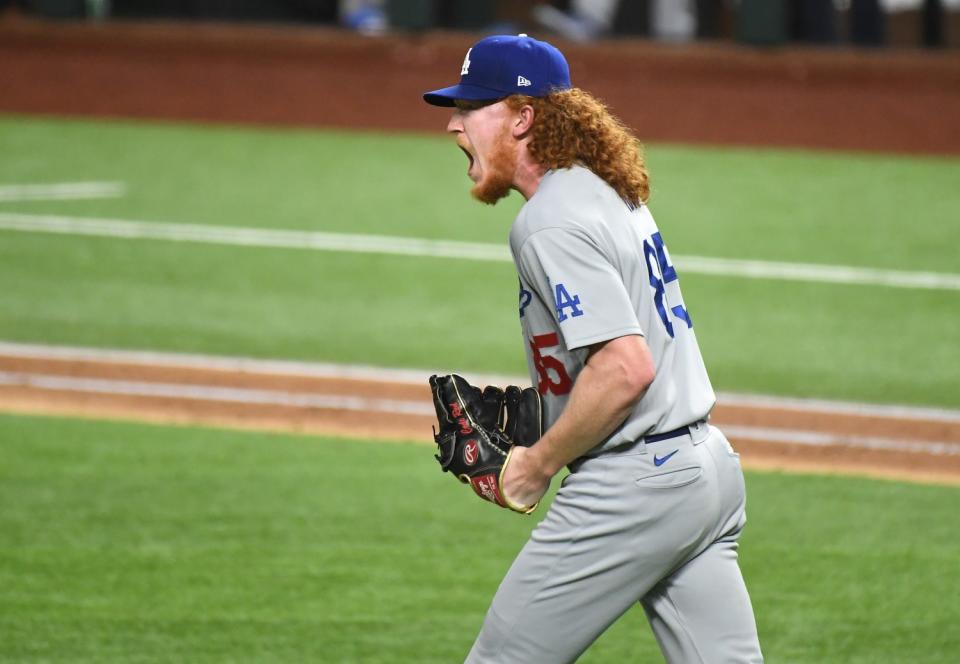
(654,504)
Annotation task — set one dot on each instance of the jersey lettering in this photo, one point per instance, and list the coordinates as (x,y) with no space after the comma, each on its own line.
(563,301)
(525,299)
(553,375)
(661,272)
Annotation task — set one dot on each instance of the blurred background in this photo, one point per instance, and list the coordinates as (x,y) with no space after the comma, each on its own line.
(875,23)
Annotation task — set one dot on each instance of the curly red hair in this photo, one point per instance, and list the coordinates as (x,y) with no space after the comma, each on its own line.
(574,127)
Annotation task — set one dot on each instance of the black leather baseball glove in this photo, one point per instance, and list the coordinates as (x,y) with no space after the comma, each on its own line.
(479,428)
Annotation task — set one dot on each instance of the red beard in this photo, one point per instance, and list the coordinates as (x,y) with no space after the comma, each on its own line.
(497,180)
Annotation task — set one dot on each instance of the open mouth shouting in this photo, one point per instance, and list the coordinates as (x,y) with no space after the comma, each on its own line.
(470,160)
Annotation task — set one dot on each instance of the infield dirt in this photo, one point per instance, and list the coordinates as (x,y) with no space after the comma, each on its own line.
(917,449)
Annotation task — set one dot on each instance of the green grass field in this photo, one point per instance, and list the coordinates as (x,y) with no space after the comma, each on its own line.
(135,543)
(838,341)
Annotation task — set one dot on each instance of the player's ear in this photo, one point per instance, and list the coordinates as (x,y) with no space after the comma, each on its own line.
(523,120)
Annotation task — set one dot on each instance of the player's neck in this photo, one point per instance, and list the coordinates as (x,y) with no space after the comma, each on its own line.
(528,175)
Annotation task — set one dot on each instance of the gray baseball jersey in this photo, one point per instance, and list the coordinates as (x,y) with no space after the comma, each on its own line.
(593,269)
(656,521)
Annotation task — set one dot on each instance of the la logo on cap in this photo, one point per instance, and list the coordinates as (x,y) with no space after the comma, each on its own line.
(501,65)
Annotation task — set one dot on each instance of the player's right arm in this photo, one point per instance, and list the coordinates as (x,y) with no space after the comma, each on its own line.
(615,377)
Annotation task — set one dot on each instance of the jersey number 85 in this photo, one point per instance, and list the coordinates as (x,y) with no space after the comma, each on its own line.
(662,273)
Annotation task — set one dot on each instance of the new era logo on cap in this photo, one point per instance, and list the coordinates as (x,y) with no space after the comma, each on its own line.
(502,65)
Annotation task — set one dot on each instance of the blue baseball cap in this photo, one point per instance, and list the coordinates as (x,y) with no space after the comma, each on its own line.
(502,65)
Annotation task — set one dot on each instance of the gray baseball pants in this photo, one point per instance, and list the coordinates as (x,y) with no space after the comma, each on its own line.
(625,528)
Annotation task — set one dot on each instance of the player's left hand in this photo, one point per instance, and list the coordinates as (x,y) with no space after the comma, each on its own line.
(524,483)
(480,430)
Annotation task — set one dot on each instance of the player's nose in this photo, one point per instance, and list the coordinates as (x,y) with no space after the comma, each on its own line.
(456,122)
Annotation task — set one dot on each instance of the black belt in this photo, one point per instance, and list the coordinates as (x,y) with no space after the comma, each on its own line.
(682,431)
